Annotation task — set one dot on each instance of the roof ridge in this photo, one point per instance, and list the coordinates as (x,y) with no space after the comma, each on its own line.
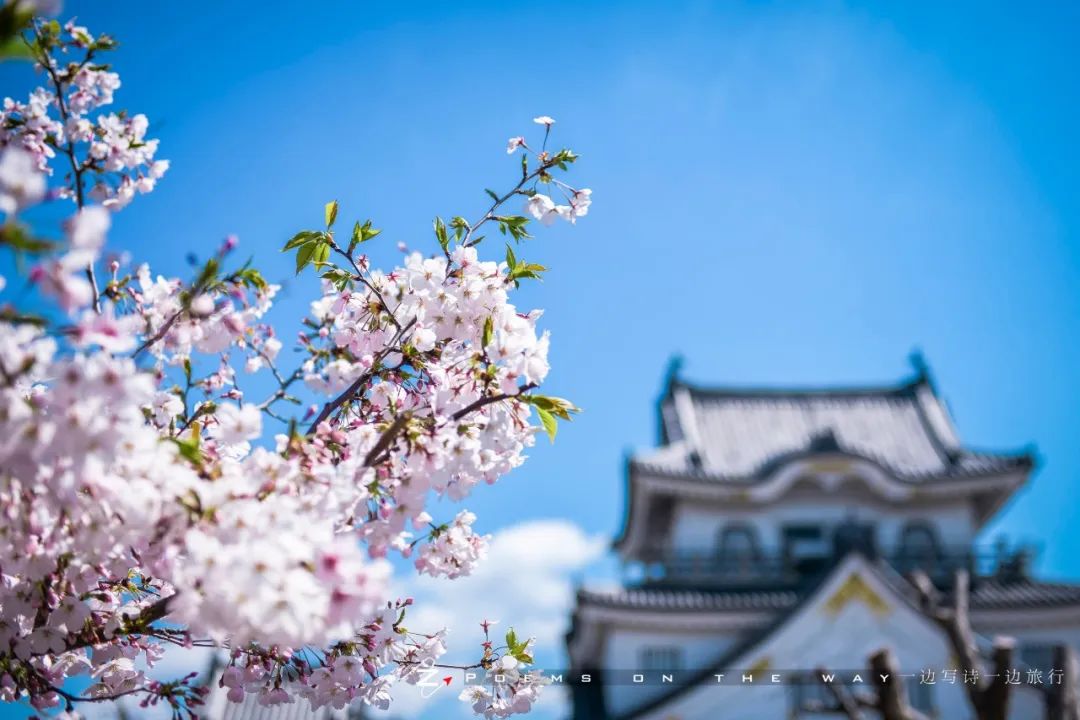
(905,388)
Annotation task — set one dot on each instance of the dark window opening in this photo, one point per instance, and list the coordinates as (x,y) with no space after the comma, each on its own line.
(658,659)
(805,548)
(737,548)
(919,548)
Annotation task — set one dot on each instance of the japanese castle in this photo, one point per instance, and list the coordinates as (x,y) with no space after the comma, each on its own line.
(771,533)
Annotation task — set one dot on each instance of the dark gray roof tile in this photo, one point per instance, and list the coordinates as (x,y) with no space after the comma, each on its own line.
(689,600)
(988,593)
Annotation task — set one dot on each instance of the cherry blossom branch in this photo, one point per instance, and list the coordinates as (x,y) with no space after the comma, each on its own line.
(364,281)
(47,63)
(161,333)
(329,408)
(491,399)
(545,165)
(127,473)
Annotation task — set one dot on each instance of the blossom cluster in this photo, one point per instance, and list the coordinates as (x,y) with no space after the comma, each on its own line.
(67,118)
(145,504)
(508,688)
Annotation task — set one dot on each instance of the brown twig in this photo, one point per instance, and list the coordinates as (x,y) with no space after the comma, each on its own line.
(842,695)
(337,402)
(472,407)
(892,700)
(69,149)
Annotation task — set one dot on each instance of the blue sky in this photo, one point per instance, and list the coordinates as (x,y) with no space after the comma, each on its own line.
(782,194)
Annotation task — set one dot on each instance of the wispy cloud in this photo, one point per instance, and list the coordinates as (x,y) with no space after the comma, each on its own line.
(526,582)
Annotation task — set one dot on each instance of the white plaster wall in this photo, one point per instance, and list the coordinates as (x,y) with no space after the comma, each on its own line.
(773,703)
(1035,636)
(623,649)
(695,524)
(1043,637)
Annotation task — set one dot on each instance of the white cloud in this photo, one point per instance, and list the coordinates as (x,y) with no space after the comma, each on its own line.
(526,582)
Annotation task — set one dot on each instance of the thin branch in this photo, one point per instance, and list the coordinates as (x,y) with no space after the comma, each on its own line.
(543,168)
(892,700)
(162,331)
(489,400)
(1063,702)
(329,408)
(69,150)
(384,441)
(366,283)
(842,695)
(989,697)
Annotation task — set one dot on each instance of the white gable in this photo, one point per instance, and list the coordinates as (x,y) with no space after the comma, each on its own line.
(854,613)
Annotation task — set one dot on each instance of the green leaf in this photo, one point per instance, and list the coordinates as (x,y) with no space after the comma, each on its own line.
(321,254)
(17,237)
(367,232)
(563,158)
(520,270)
(511,639)
(10,315)
(440,233)
(514,225)
(357,236)
(13,48)
(489,331)
(251,277)
(339,277)
(208,275)
(550,410)
(303,256)
(551,425)
(189,450)
(14,18)
(300,238)
(330,211)
(557,406)
(361,234)
(492,194)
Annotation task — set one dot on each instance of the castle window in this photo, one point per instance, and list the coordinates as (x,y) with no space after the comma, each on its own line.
(661,658)
(918,548)
(805,548)
(737,546)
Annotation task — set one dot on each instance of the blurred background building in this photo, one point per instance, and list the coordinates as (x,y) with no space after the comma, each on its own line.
(772,532)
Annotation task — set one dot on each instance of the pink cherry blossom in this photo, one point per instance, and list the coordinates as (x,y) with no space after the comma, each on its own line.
(151,499)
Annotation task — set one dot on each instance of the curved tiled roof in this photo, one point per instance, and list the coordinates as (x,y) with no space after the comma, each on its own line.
(690,600)
(987,593)
(994,594)
(742,433)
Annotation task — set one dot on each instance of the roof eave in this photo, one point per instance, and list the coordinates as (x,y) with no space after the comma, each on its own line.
(1003,482)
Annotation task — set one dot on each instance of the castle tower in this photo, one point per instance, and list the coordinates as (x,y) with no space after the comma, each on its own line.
(771,531)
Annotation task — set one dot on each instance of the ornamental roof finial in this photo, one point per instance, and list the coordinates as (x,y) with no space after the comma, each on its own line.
(674,367)
(920,366)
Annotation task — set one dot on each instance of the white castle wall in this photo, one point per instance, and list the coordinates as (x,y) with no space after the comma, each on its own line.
(624,651)
(695,525)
